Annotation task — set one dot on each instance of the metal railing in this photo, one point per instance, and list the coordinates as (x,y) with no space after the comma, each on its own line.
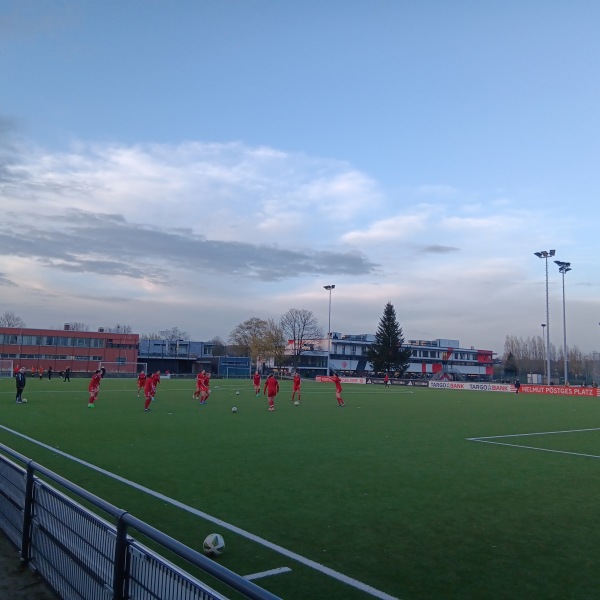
(82,556)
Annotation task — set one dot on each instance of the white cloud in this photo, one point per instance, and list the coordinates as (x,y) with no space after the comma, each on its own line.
(203,236)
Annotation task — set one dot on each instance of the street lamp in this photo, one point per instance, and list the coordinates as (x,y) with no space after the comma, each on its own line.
(564,267)
(544,329)
(329,288)
(545,254)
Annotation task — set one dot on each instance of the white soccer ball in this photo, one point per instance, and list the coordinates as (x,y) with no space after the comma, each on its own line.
(296,403)
(237,393)
(214,544)
(24,400)
(234,409)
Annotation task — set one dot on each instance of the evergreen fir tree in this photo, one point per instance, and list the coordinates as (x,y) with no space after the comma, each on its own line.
(386,353)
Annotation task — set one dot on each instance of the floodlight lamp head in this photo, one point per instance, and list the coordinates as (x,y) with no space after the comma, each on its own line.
(552,252)
(538,254)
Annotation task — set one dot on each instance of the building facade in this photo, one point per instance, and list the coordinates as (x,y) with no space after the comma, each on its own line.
(429,358)
(184,357)
(82,351)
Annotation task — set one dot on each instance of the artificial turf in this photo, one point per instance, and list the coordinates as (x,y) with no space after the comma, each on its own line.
(389,491)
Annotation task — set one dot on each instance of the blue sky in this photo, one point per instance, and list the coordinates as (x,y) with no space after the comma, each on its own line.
(194,164)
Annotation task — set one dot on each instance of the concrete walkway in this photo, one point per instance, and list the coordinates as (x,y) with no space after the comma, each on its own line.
(18,582)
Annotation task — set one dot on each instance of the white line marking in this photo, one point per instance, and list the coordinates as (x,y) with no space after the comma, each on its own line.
(534,448)
(267,573)
(363,587)
(486,440)
(492,437)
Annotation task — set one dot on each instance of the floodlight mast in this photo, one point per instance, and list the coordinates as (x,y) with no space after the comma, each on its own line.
(545,254)
(564,267)
(544,341)
(329,288)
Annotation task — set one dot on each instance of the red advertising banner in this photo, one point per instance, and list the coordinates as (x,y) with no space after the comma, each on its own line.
(559,390)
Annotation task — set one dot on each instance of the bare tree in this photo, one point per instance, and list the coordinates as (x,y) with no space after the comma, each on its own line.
(173,334)
(10,319)
(275,343)
(300,326)
(118,328)
(218,346)
(250,336)
(150,336)
(78,326)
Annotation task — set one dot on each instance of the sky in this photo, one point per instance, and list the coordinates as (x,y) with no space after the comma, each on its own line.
(194,164)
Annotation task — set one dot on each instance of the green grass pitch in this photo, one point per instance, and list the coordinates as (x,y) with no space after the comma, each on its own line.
(389,491)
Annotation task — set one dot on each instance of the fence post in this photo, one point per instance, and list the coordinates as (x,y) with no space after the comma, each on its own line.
(121,569)
(27,513)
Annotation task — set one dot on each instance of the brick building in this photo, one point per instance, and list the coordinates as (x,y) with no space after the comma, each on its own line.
(83,351)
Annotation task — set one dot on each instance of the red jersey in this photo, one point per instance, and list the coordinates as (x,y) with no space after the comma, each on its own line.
(256,379)
(296,381)
(95,382)
(271,386)
(141,379)
(338,383)
(150,386)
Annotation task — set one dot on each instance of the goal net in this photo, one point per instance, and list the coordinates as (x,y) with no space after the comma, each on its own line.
(128,369)
(6,367)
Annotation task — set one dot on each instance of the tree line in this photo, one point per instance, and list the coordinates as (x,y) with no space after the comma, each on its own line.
(528,355)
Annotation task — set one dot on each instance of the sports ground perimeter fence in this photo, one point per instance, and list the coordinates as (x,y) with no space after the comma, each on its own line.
(82,556)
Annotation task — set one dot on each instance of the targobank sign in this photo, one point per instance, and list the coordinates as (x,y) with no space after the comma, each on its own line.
(480,387)
(555,390)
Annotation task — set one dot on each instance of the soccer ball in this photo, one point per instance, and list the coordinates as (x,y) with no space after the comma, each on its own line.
(237,393)
(234,409)
(296,403)
(214,544)
(24,400)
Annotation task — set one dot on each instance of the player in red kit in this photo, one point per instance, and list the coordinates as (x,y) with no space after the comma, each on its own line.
(141,381)
(256,381)
(271,389)
(94,387)
(386,380)
(150,389)
(338,389)
(199,380)
(205,389)
(296,383)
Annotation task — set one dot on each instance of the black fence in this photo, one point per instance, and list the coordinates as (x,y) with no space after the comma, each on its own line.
(82,556)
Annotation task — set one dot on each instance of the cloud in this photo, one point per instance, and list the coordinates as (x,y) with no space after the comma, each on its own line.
(5,281)
(203,236)
(438,249)
(83,242)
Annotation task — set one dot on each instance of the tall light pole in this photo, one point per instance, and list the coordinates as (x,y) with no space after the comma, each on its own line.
(564,267)
(329,288)
(545,254)
(543,339)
